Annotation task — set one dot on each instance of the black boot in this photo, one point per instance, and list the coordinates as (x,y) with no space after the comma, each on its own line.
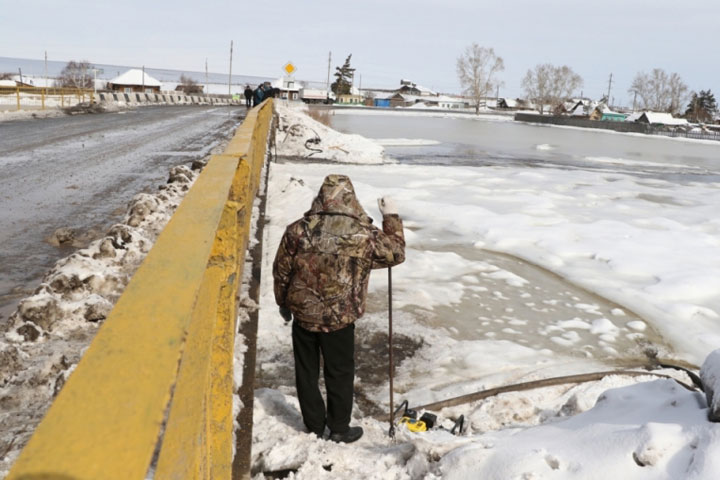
(352,434)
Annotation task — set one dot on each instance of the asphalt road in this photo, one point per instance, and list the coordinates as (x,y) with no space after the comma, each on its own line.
(81,171)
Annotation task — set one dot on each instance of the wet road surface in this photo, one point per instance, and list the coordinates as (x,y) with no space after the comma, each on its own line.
(81,171)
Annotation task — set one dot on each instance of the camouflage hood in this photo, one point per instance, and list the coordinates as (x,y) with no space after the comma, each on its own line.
(337,196)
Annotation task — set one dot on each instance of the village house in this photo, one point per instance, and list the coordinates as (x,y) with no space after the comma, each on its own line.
(603,113)
(410,88)
(288,88)
(351,99)
(657,118)
(134,80)
(434,101)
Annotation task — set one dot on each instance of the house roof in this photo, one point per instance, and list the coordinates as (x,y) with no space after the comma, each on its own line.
(423,90)
(662,118)
(633,116)
(134,76)
(444,98)
(408,98)
(7,83)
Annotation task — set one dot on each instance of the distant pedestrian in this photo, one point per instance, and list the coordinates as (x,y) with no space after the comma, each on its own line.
(248,95)
(268,91)
(258,95)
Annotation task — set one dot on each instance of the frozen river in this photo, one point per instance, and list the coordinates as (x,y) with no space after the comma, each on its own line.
(628,217)
(473,141)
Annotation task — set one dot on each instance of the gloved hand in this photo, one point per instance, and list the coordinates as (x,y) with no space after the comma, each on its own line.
(286,314)
(387,206)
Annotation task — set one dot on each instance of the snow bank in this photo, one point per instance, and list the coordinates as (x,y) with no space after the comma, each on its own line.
(48,333)
(409,112)
(298,135)
(649,430)
(405,142)
(710,376)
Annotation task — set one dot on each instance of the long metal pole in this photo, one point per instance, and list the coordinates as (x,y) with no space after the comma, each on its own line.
(391,432)
(327,84)
(230,75)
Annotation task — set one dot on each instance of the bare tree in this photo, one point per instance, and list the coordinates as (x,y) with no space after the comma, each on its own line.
(476,69)
(547,84)
(76,75)
(659,91)
(188,85)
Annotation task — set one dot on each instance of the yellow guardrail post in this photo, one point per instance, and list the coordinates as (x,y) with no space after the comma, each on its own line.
(166,349)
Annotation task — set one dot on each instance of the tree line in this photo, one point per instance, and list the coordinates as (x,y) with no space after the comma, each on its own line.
(548,85)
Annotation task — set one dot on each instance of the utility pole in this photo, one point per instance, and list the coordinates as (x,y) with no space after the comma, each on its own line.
(634,101)
(206,78)
(46,80)
(143,85)
(360,87)
(609,85)
(20,72)
(230,75)
(497,96)
(327,87)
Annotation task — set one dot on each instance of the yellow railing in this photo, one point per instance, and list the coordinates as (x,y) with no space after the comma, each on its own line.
(164,356)
(30,96)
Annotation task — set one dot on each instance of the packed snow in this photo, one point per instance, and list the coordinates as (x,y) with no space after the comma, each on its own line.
(406,142)
(484,115)
(298,135)
(626,293)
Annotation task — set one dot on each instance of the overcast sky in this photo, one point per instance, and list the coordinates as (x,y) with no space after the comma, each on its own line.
(389,40)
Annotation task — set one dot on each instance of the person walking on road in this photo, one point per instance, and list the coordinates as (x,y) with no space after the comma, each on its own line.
(258,94)
(321,272)
(248,95)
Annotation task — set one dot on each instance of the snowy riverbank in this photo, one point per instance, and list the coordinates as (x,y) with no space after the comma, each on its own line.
(615,235)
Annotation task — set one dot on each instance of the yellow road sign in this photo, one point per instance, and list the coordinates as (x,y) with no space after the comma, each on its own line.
(289,68)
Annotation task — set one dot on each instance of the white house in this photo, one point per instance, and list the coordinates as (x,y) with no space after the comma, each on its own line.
(657,118)
(134,80)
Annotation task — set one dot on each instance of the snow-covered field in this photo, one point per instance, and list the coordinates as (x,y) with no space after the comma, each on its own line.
(647,246)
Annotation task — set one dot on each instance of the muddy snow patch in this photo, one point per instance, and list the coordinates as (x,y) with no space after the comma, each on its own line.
(49,331)
(298,135)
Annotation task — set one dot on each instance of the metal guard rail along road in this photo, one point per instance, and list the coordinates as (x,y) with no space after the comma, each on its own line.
(167,346)
(42,93)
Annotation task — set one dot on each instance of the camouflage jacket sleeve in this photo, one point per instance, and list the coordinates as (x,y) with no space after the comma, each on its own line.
(389,247)
(282,267)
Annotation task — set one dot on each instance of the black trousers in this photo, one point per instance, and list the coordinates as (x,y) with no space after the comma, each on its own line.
(338,352)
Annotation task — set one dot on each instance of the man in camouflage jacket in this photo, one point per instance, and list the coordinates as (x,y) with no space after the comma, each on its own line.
(321,274)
